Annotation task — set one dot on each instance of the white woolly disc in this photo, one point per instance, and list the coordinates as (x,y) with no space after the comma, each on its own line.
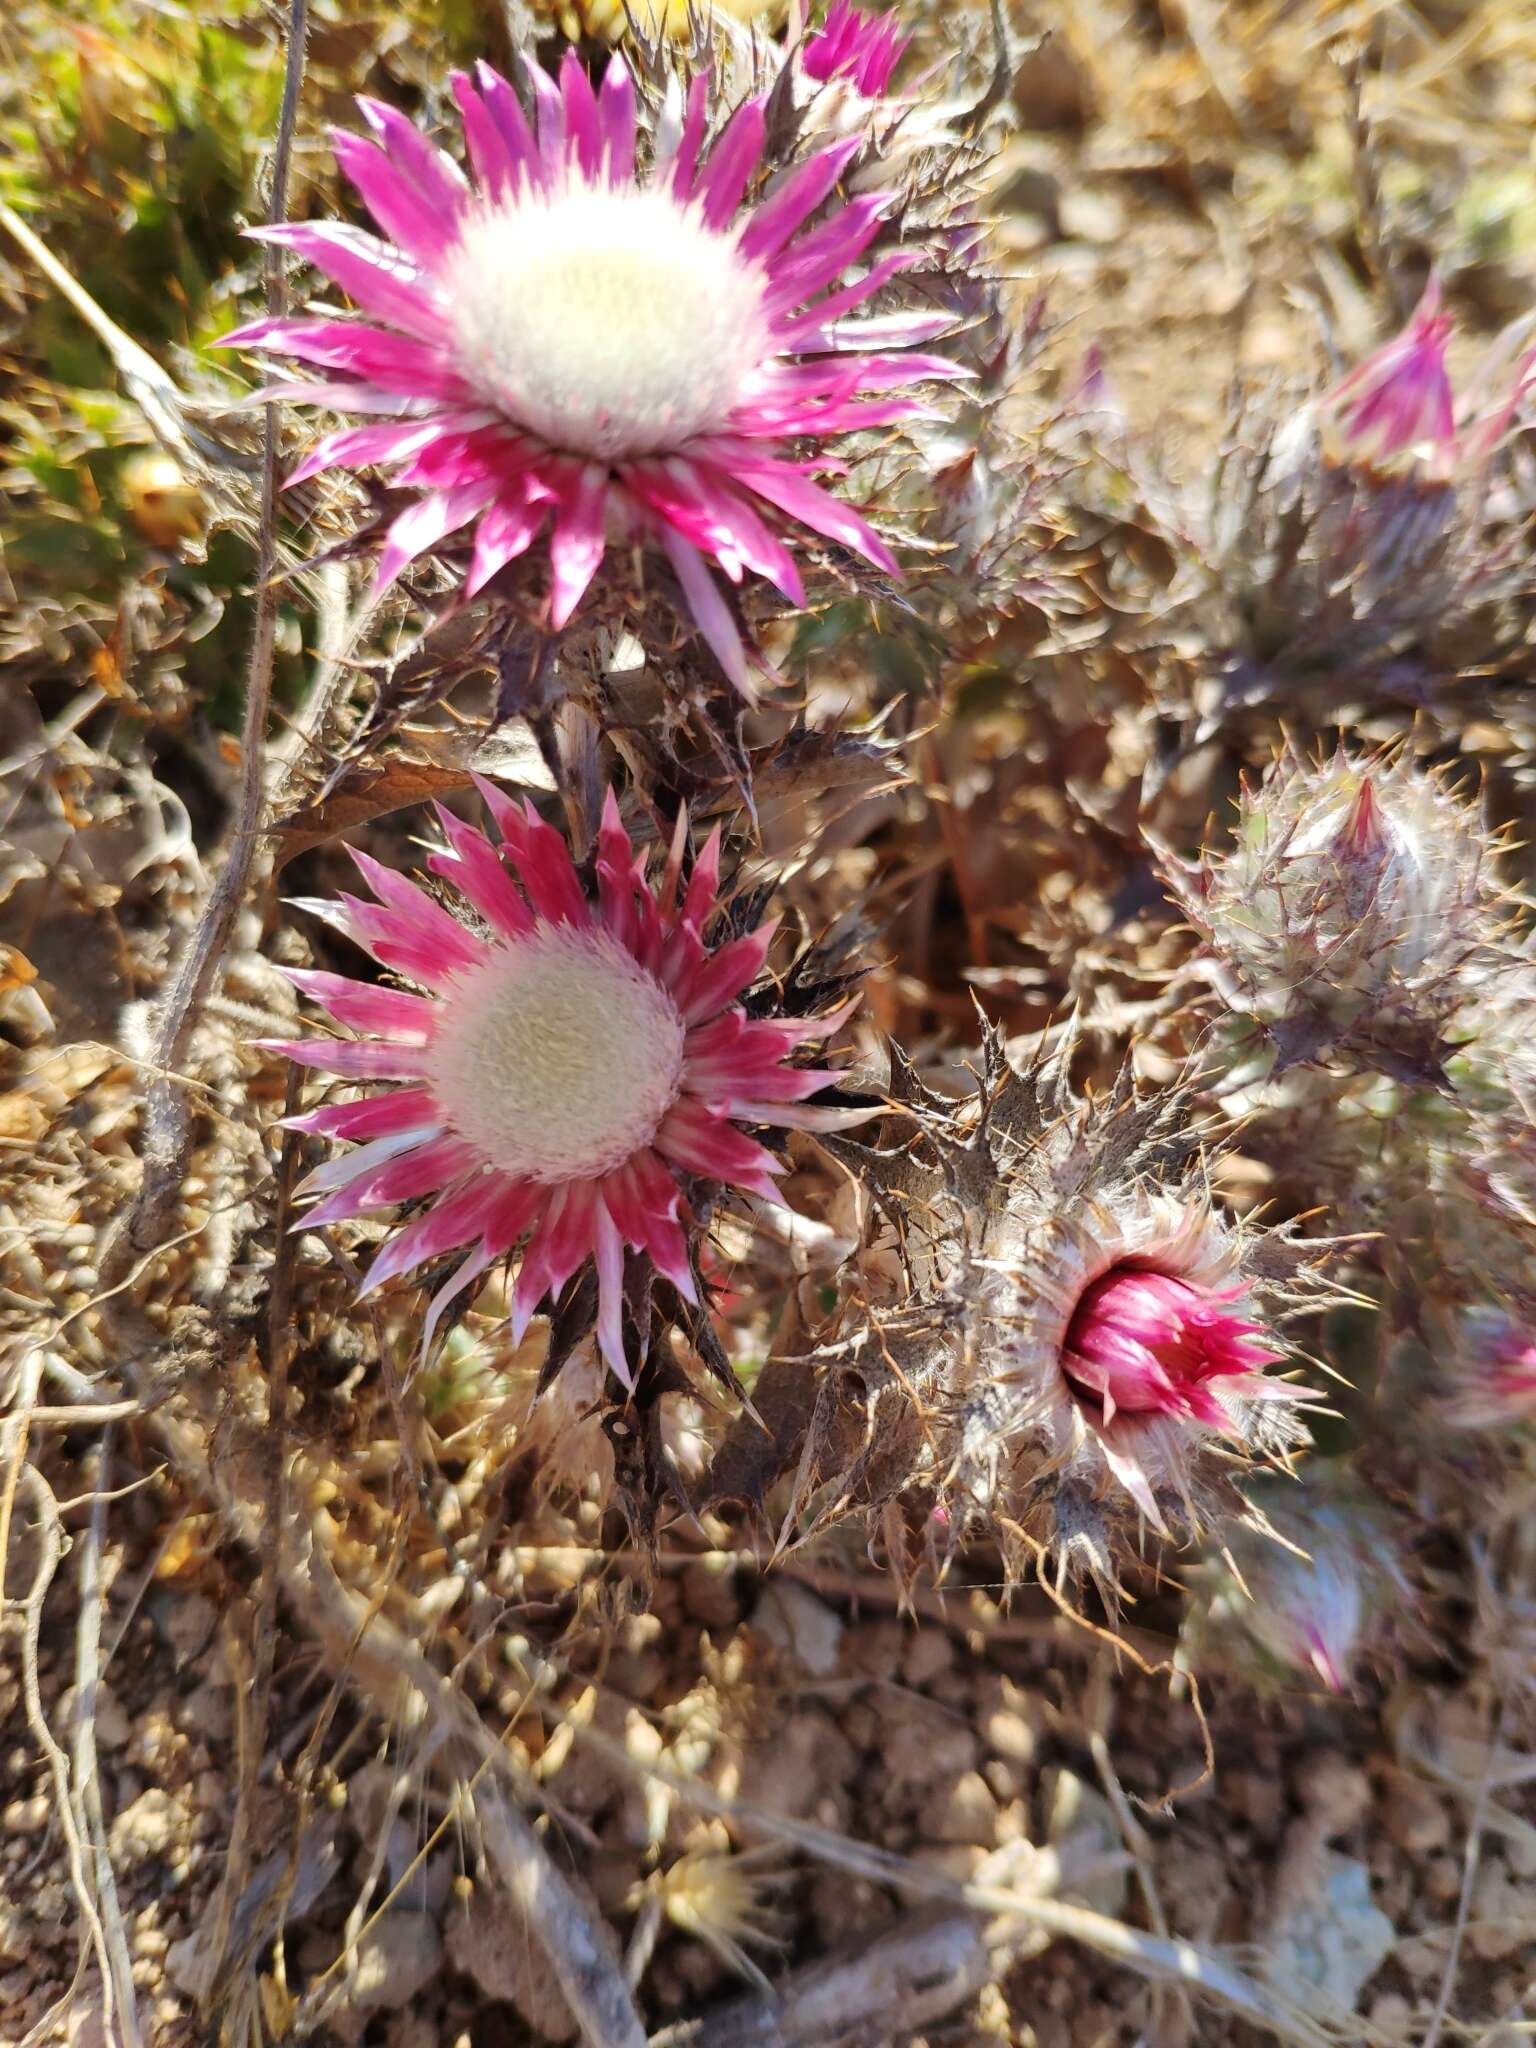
(559,1057)
(609,321)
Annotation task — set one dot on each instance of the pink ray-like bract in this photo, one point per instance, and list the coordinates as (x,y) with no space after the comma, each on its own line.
(862,48)
(1397,407)
(1146,1343)
(564,1075)
(558,340)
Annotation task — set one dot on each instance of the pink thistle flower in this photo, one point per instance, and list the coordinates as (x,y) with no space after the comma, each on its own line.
(1396,410)
(1148,1343)
(862,48)
(562,341)
(567,1071)
(1495,1370)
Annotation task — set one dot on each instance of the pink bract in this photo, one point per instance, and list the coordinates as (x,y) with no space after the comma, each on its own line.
(1398,406)
(863,48)
(1144,1343)
(560,341)
(571,1067)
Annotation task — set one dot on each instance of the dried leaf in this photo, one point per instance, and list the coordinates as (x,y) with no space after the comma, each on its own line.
(430,764)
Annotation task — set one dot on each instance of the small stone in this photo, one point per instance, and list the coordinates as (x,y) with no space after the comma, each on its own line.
(86,2026)
(1080,1822)
(112,1726)
(15,1946)
(1012,1721)
(930,1652)
(1503,1921)
(922,1741)
(1004,1781)
(962,1812)
(807,1759)
(489,1942)
(1334,1791)
(1330,1939)
(1442,1878)
(711,1592)
(1391,2014)
(148,1830)
(208,1711)
(1256,1797)
(26,1816)
(396,1955)
(1414,1817)
(184,1965)
(187,1620)
(1420,1958)
(795,1620)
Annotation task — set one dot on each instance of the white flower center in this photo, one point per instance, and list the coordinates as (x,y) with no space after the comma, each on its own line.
(610,322)
(557,1059)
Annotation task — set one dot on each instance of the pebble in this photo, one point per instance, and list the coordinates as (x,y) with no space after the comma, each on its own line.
(923,1741)
(15,1944)
(186,1620)
(26,1816)
(1331,1938)
(712,1593)
(796,1621)
(147,1830)
(489,1942)
(183,1965)
(1392,2014)
(1415,1818)
(929,1653)
(1257,1797)
(1080,1822)
(396,1955)
(1503,1919)
(1334,1791)
(208,1711)
(962,1812)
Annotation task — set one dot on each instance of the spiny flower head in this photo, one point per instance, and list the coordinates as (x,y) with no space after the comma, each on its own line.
(1493,1369)
(1086,1343)
(864,49)
(573,1066)
(1354,897)
(1303,1590)
(563,341)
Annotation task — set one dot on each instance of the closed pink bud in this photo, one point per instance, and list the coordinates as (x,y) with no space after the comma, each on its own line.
(1396,411)
(1150,1344)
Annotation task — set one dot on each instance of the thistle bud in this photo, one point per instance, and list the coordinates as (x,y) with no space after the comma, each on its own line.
(1300,1595)
(1356,546)
(1492,1365)
(1395,412)
(1346,915)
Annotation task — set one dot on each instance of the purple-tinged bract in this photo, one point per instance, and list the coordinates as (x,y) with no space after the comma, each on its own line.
(1397,407)
(862,48)
(560,340)
(566,1071)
